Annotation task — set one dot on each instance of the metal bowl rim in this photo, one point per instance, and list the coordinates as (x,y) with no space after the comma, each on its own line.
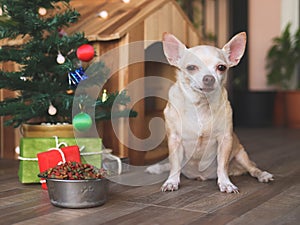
(75,181)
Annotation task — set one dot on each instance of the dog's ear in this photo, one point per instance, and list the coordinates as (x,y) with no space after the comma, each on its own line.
(235,48)
(173,49)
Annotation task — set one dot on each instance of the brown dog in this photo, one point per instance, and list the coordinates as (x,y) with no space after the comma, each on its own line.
(202,144)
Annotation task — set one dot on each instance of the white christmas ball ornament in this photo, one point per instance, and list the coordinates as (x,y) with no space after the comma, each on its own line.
(52,110)
(60,59)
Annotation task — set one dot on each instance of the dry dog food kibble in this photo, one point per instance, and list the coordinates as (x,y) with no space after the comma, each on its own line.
(73,171)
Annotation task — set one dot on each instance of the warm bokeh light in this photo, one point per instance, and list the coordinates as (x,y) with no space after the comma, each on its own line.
(103,14)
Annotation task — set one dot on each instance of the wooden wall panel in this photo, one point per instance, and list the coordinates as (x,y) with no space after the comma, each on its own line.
(165,19)
(9,136)
(179,25)
(105,129)
(136,71)
(192,38)
(169,19)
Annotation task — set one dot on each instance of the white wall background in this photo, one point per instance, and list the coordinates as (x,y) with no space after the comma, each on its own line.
(290,13)
(267,18)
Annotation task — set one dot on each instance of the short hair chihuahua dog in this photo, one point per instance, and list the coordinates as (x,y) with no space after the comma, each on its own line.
(198,117)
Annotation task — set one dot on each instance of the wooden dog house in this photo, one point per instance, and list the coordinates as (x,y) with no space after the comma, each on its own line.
(138,20)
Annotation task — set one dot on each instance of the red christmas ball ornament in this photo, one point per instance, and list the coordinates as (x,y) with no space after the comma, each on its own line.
(85,52)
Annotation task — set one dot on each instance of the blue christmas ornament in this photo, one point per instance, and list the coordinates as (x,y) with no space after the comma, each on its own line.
(76,76)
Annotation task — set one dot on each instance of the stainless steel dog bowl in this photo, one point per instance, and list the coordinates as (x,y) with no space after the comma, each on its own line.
(77,193)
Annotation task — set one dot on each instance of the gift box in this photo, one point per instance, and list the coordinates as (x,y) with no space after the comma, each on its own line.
(90,152)
(53,157)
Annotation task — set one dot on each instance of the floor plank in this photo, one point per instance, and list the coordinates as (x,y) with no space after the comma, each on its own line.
(271,210)
(196,202)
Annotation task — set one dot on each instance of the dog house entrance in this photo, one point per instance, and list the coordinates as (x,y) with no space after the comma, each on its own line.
(156,65)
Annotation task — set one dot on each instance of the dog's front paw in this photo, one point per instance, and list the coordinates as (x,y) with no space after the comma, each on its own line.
(170,186)
(228,187)
(265,177)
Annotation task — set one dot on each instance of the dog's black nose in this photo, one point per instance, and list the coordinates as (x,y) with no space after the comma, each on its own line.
(208,80)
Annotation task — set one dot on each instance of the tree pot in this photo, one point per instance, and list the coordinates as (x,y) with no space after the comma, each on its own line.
(279,119)
(38,130)
(253,108)
(292,106)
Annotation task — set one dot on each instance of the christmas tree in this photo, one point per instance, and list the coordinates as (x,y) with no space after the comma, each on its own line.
(49,68)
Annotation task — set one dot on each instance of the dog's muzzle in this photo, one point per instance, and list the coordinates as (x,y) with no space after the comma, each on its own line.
(208,83)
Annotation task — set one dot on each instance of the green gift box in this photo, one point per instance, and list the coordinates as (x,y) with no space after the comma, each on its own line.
(90,152)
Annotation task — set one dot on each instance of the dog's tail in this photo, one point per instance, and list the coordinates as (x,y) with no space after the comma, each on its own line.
(158,168)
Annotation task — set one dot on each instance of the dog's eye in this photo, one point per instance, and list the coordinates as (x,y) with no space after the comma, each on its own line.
(221,68)
(192,68)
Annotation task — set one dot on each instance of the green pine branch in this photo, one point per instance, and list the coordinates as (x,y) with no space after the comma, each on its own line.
(40,81)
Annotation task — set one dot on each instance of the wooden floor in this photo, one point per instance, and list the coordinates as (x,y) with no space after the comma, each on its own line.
(277,203)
